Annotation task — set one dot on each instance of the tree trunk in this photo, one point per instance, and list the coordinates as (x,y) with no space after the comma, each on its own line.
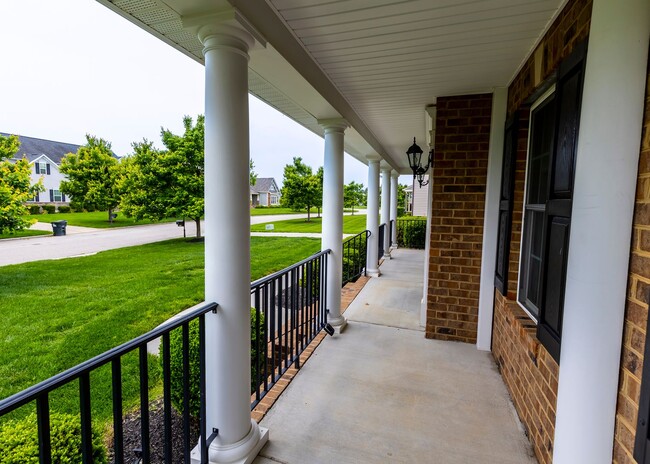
(308,213)
(319,211)
(198,227)
(110,215)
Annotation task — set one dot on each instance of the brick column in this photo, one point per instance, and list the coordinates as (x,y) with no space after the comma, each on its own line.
(458,196)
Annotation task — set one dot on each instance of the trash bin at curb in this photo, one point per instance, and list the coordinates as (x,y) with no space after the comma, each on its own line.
(58,227)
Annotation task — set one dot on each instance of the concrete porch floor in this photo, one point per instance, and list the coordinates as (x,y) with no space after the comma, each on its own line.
(381,392)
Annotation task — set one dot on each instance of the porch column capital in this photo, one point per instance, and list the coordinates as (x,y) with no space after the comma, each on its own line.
(224,29)
(373,158)
(334,125)
(394,174)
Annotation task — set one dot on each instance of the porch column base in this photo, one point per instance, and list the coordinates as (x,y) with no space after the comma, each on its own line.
(373,272)
(338,324)
(387,254)
(243,452)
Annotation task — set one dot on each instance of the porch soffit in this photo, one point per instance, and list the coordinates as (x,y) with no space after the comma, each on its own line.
(377,63)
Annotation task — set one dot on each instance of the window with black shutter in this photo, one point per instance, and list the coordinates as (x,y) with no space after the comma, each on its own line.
(51,195)
(47,168)
(505,204)
(37,168)
(549,192)
(642,439)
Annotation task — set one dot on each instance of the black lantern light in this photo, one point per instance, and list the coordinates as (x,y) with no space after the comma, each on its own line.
(414,154)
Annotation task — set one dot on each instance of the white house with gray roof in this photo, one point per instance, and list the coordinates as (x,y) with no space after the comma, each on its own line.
(265,192)
(45,158)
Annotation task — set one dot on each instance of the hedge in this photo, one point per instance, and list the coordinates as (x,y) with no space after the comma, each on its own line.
(411,232)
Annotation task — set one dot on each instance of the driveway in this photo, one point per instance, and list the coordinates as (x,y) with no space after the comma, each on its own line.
(82,241)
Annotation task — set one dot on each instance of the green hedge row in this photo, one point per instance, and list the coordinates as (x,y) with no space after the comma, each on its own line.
(411,232)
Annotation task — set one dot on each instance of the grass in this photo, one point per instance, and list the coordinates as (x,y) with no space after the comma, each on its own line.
(351,225)
(63,312)
(24,233)
(97,219)
(266,211)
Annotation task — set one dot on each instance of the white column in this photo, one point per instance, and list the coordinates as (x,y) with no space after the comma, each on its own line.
(491,219)
(385,208)
(227,245)
(332,237)
(372,216)
(601,223)
(393,206)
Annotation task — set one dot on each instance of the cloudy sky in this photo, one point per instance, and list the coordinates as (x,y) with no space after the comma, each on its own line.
(71,67)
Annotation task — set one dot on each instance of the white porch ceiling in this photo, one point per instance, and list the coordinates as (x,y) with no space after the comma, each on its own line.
(378,63)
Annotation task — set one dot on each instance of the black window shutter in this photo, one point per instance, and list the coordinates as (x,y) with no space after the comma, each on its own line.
(642,439)
(62,197)
(568,95)
(47,166)
(36,198)
(51,195)
(505,204)
(37,168)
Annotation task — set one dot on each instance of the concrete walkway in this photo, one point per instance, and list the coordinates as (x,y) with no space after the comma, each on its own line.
(383,393)
(82,241)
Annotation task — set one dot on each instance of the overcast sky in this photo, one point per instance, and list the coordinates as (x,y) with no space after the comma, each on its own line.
(71,67)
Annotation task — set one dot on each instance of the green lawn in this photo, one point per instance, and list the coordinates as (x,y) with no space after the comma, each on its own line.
(24,233)
(264,211)
(351,225)
(98,219)
(56,314)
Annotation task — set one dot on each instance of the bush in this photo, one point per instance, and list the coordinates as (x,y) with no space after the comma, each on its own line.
(50,209)
(64,209)
(19,441)
(411,232)
(401,211)
(34,209)
(176,364)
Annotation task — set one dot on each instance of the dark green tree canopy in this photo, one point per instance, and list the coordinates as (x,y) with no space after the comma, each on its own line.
(353,195)
(15,186)
(301,188)
(165,183)
(92,176)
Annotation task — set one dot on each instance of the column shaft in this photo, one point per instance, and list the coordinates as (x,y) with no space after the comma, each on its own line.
(385,208)
(372,217)
(332,237)
(393,206)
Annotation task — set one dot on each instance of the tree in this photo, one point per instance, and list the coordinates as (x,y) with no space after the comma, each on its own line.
(252,175)
(353,195)
(301,188)
(401,199)
(92,176)
(163,183)
(15,186)
(318,193)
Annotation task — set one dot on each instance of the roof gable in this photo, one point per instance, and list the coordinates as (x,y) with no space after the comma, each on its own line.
(32,148)
(265,184)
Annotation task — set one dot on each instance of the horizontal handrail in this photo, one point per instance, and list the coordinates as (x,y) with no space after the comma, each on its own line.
(281,272)
(31,393)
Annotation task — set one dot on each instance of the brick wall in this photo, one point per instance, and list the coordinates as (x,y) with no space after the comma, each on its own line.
(636,311)
(569,29)
(529,372)
(459,179)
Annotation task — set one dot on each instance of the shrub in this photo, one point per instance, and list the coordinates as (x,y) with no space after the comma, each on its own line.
(401,211)
(176,364)
(34,209)
(64,209)
(411,232)
(19,441)
(90,209)
(51,209)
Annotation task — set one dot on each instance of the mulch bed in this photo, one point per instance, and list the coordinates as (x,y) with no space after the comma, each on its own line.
(132,439)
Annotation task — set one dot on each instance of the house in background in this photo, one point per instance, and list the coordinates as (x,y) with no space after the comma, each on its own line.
(417,198)
(265,192)
(45,158)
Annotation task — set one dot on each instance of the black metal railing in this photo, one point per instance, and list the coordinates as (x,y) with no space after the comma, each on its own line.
(40,393)
(380,241)
(289,311)
(391,228)
(355,250)
(411,232)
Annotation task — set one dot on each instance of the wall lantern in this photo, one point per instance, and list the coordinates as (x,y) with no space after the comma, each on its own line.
(414,154)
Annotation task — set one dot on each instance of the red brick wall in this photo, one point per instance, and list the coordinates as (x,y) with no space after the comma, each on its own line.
(458,183)
(529,372)
(636,311)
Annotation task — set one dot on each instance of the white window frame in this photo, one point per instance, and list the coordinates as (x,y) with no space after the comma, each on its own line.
(54,195)
(42,168)
(537,103)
